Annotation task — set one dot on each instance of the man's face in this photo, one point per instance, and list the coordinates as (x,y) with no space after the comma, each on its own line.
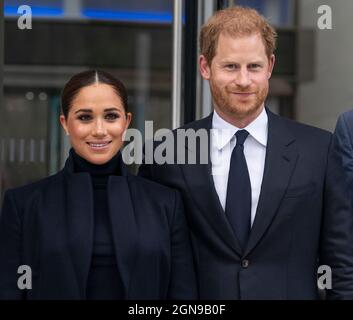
(238,77)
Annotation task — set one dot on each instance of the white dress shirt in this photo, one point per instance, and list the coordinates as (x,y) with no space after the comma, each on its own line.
(223,141)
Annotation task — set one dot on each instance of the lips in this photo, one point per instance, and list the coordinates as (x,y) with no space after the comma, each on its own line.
(243,94)
(99,145)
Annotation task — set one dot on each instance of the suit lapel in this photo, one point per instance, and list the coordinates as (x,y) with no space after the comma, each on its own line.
(79,217)
(281,158)
(124,229)
(58,243)
(200,183)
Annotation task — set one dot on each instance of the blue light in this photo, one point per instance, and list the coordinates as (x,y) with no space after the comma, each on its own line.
(36,11)
(284,12)
(98,14)
(159,17)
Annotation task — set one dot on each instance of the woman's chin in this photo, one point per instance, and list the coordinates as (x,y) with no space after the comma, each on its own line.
(99,158)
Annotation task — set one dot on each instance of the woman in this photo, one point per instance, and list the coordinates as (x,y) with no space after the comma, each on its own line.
(92,231)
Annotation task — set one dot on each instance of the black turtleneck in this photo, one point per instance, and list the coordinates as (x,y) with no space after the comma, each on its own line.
(103,279)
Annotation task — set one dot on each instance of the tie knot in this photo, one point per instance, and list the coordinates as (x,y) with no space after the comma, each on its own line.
(241,136)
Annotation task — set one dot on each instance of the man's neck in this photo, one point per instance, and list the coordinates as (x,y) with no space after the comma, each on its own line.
(239,122)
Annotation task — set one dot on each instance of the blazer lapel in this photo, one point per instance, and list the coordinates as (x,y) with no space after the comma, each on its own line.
(281,158)
(124,227)
(79,216)
(200,183)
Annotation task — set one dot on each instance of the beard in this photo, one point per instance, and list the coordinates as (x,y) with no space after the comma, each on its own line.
(234,107)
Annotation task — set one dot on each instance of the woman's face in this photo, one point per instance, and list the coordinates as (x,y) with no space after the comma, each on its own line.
(96,123)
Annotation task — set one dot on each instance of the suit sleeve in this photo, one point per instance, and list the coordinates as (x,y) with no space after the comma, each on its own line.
(344,147)
(336,249)
(182,282)
(10,249)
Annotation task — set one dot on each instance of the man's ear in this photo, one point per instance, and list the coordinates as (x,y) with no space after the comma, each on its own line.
(64,124)
(204,67)
(271,65)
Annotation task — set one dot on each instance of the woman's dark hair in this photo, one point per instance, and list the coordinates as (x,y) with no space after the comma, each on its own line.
(87,78)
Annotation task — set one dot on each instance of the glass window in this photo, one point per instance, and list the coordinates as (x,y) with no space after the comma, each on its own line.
(130,39)
(278,12)
(155,11)
(44,8)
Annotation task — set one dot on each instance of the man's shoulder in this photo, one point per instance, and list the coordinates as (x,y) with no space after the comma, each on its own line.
(347,114)
(204,123)
(346,117)
(299,129)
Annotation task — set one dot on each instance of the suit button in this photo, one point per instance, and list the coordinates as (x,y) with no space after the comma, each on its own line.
(245,263)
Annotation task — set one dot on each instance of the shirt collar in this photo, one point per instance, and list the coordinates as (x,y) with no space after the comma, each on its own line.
(224,131)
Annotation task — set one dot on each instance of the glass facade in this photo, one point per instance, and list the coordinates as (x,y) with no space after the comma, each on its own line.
(130,39)
(133,40)
(280,13)
(155,11)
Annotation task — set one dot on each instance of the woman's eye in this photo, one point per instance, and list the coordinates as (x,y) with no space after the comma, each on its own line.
(84,117)
(112,116)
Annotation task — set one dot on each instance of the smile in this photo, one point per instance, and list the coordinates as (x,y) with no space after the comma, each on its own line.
(99,145)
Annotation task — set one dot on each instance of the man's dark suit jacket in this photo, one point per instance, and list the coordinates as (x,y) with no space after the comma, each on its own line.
(303,220)
(344,144)
(48,226)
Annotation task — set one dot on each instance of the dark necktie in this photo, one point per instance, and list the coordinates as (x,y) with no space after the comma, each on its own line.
(238,202)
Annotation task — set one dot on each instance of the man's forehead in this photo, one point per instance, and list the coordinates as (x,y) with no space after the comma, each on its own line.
(228,43)
(239,35)
(231,42)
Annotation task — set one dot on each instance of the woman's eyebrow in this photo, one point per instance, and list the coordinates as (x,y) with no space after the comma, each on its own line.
(83,110)
(111,109)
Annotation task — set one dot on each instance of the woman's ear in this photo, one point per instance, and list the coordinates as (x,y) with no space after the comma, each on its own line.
(64,124)
(128,120)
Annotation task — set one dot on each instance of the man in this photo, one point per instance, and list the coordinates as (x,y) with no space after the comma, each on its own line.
(344,145)
(270,207)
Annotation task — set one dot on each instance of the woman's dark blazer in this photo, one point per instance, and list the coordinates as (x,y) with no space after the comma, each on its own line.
(48,225)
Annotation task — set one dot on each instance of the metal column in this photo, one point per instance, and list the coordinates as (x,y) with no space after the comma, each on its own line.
(206,8)
(177,61)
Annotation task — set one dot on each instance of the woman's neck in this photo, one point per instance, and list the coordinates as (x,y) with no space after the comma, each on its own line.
(112,167)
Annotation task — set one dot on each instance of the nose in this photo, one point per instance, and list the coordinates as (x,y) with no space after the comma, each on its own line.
(99,129)
(243,78)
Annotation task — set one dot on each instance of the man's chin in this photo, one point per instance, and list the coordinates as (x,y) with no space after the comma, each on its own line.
(244,111)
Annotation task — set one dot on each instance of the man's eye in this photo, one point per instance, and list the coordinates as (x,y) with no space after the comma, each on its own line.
(231,66)
(111,116)
(254,66)
(84,117)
